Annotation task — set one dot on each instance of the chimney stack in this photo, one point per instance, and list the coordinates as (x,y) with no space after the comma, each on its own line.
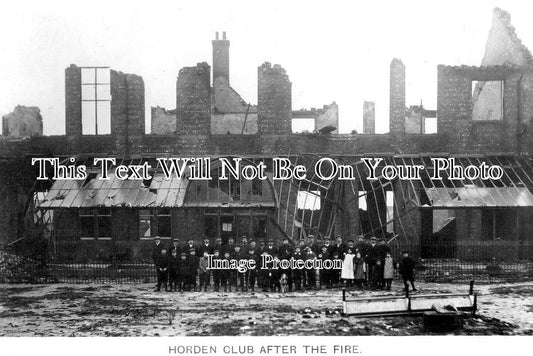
(221,57)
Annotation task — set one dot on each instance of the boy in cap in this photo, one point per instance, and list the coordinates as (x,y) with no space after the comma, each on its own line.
(407,270)
(204,272)
(183,270)
(162,270)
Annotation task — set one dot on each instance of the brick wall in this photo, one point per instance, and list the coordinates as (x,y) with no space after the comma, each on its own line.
(369,117)
(397,98)
(73,100)
(193,100)
(274,100)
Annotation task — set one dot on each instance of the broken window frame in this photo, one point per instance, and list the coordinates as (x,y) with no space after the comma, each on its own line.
(96,100)
(500,99)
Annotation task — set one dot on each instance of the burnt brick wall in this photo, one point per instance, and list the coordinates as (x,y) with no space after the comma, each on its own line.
(454,107)
(274,100)
(369,117)
(127,108)
(397,98)
(73,101)
(193,100)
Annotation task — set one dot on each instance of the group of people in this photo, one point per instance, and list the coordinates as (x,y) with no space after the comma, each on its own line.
(365,263)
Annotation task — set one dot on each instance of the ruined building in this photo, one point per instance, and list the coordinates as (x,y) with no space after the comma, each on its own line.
(96,219)
(24,121)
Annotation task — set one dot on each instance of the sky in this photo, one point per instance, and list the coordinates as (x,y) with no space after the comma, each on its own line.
(333,51)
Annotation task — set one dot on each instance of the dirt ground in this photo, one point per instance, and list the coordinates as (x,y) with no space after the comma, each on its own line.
(136,310)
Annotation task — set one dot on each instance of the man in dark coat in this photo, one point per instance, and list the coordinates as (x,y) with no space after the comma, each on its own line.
(237,278)
(250,275)
(382,248)
(192,264)
(372,255)
(173,270)
(217,273)
(205,247)
(310,272)
(329,246)
(230,247)
(285,253)
(175,246)
(407,270)
(161,264)
(218,245)
(325,274)
(297,273)
(190,246)
(226,273)
(339,247)
(271,249)
(261,247)
(244,243)
(156,249)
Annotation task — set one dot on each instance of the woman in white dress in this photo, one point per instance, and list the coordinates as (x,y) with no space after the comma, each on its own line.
(347,268)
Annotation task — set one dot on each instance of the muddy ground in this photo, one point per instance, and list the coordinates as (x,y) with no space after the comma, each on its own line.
(136,310)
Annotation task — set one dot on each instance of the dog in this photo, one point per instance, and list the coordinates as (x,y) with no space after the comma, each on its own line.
(284,285)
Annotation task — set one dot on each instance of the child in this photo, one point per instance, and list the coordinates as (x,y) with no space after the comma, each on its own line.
(347,268)
(204,272)
(183,269)
(359,267)
(377,275)
(388,270)
(407,270)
